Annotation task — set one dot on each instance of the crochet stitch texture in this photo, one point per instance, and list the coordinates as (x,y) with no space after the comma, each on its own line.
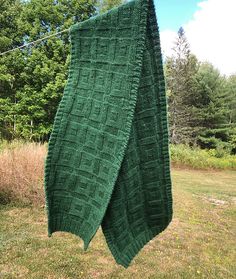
(108,157)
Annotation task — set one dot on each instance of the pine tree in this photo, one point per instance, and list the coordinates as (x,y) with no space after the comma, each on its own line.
(231,99)
(181,68)
(213,108)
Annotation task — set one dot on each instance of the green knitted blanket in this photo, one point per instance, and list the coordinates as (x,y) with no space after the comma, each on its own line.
(108,156)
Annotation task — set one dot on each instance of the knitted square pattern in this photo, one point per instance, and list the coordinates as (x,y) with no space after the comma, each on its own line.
(108,159)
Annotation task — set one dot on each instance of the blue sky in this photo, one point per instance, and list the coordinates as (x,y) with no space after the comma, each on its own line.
(171,14)
(209,27)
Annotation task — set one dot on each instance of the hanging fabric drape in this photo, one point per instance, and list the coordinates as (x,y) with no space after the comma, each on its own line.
(108,157)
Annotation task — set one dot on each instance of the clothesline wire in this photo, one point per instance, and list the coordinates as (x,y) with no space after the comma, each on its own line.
(36,41)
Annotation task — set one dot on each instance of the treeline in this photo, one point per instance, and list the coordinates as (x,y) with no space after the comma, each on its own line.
(201,101)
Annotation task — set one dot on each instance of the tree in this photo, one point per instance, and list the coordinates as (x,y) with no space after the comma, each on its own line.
(10,65)
(210,97)
(214,109)
(105,5)
(231,117)
(33,79)
(231,99)
(181,68)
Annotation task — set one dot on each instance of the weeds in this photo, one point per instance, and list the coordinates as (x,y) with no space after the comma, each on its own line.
(183,155)
(21,172)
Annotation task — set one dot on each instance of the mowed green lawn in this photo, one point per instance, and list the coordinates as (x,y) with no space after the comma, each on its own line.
(200,242)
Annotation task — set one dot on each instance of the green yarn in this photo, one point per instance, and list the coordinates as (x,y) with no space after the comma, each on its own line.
(108,158)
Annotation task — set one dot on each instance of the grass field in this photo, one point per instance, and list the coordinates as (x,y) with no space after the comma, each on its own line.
(199,242)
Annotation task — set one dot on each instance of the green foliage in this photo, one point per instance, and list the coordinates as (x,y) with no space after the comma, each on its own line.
(222,139)
(32,79)
(195,157)
(105,5)
(230,88)
(210,97)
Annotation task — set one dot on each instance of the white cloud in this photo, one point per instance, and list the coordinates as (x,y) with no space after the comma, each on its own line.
(167,41)
(211,34)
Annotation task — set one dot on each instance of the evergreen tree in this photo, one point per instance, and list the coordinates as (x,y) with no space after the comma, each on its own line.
(181,68)
(210,97)
(213,109)
(231,99)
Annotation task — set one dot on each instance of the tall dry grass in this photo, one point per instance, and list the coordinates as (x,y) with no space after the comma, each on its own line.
(21,172)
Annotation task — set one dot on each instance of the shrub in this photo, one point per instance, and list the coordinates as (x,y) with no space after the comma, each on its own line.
(195,157)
